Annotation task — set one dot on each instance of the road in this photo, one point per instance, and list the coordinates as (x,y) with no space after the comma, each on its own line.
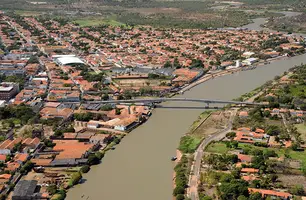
(192,191)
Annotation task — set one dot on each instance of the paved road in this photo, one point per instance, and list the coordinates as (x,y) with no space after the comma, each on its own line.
(196,168)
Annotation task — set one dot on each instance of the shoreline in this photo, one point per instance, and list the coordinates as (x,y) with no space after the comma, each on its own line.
(206,78)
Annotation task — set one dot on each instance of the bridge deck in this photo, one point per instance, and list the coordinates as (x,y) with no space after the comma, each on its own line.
(157,100)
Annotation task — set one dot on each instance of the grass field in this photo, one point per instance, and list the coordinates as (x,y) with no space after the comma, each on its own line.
(202,116)
(27,13)
(220,147)
(301,129)
(97,21)
(188,144)
(297,90)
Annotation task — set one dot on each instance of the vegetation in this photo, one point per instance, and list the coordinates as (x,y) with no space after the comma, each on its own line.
(21,112)
(85,168)
(26,167)
(75,179)
(189,144)
(181,177)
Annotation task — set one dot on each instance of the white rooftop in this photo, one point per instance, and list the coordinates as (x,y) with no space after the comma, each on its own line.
(6,89)
(68,59)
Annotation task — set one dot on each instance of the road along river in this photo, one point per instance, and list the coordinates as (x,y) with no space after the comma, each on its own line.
(140,168)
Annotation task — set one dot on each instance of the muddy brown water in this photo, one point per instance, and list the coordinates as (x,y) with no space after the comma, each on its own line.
(140,167)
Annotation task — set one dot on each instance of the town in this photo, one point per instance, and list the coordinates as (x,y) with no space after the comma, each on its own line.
(248,153)
(51,69)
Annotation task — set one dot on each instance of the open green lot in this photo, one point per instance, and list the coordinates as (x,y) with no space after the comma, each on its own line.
(301,129)
(189,144)
(97,21)
(27,13)
(200,119)
(220,147)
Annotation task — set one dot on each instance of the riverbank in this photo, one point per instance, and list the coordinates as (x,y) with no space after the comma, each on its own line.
(212,75)
(194,177)
(138,154)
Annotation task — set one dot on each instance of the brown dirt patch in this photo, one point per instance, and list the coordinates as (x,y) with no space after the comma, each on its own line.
(291,180)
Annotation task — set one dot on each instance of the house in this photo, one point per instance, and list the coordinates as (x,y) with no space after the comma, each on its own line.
(249,170)
(250,61)
(31,143)
(21,157)
(126,123)
(4,178)
(8,90)
(271,193)
(244,158)
(243,114)
(249,178)
(26,189)
(41,162)
(2,158)
(250,137)
(72,149)
(12,166)
(273,143)
(7,146)
(100,139)
(49,113)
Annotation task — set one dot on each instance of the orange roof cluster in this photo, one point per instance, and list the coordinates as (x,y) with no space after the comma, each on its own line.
(50,112)
(41,162)
(5,176)
(244,158)
(249,178)
(12,166)
(71,149)
(249,170)
(21,157)
(266,193)
(185,75)
(9,144)
(31,141)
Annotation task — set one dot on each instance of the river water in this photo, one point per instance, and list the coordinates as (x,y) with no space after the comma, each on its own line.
(140,167)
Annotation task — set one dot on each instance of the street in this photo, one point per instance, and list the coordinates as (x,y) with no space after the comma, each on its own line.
(192,191)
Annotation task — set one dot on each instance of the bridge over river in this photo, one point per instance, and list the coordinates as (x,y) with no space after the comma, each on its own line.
(159,100)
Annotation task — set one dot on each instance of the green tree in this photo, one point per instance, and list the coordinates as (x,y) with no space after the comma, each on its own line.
(233,189)
(255,196)
(297,190)
(206,198)
(52,189)
(178,190)
(242,197)
(75,178)
(93,159)
(28,166)
(180,197)
(85,168)
(231,134)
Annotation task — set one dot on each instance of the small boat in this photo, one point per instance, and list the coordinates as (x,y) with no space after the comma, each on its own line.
(113,148)
(173,158)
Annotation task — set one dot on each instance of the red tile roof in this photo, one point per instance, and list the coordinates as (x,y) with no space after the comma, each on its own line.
(244,158)
(270,193)
(21,157)
(249,170)
(2,157)
(5,176)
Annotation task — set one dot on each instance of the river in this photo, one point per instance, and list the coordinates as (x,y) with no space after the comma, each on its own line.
(140,167)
